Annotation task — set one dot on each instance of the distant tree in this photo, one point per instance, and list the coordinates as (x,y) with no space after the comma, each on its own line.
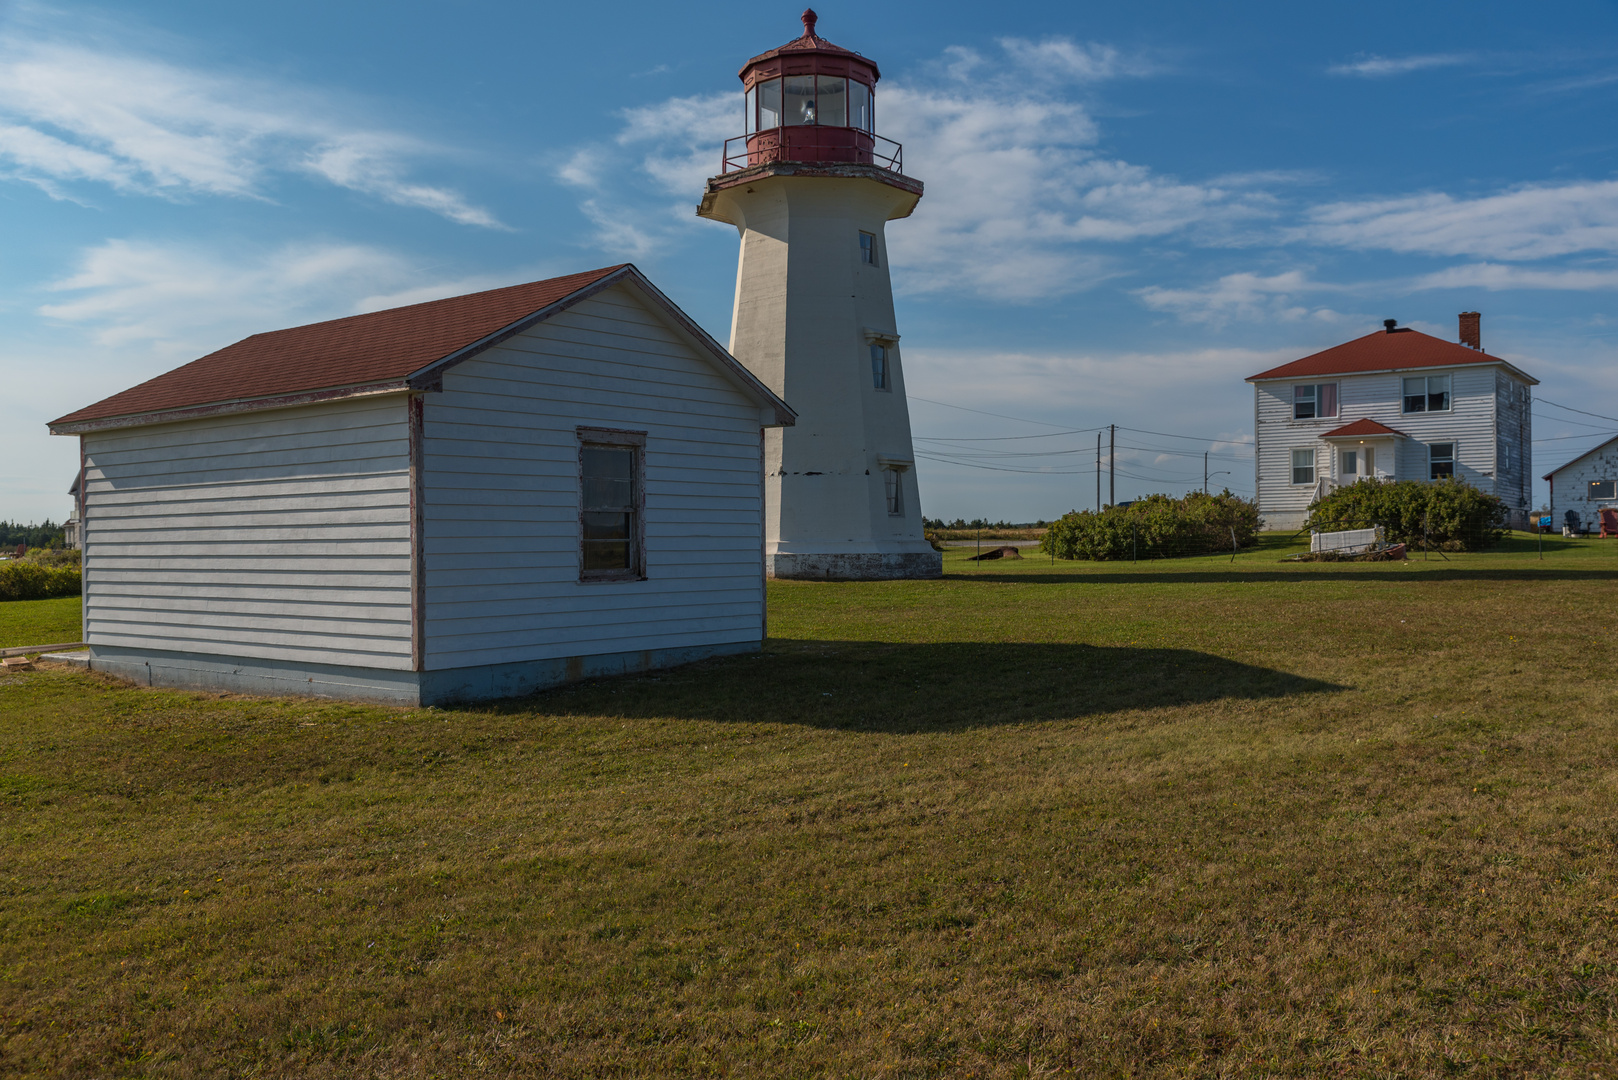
(45,535)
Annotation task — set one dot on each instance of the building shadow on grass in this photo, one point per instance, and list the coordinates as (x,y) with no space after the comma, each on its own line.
(877,686)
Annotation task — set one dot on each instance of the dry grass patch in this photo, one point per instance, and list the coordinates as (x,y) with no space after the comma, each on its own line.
(1182,819)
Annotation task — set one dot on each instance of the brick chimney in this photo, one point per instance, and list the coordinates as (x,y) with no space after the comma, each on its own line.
(1471,331)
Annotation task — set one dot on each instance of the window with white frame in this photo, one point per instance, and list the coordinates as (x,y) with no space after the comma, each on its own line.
(868,248)
(1603,489)
(894,489)
(611,520)
(1427,394)
(879,365)
(1303,466)
(1314,400)
(1351,462)
(1440,460)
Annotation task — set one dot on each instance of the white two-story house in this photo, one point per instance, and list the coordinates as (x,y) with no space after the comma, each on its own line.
(1399,405)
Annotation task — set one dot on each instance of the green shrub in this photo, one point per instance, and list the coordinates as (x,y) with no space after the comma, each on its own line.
(1450,514)
(1161,526)
(21,579)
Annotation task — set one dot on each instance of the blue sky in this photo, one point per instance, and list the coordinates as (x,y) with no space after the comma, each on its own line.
(1129,208)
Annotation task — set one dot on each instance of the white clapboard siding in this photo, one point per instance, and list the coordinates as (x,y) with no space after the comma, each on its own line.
(1471,424)
(282,535)
(1570,487)
(500,517)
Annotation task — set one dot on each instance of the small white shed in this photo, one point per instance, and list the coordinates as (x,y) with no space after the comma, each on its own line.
(464,499)
(1584,487)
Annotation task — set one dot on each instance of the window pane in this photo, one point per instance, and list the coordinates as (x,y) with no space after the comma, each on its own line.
(609,474)
(1303,402)
(859,105)
(867,248)
(879,367)
(894,491)
(1604,489)
(750,121)
(1328,399)
(1351,462)
(833,100)
(799,103)
(769,104)
(1441,457)
(1415,395)
(1303,466)
(1438,393)
(607,539)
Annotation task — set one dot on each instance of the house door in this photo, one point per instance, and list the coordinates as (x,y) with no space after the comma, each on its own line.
(1349,465)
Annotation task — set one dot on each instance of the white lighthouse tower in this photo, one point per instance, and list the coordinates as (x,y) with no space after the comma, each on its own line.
(811,187)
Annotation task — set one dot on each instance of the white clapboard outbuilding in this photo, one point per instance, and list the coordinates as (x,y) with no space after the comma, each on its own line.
(462,499)
(1584,487)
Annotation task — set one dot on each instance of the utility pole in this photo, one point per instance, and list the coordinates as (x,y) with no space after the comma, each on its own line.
(1098,472)
(1205,472)
(1112,467)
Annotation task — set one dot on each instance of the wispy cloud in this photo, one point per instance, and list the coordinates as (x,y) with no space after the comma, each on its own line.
(1496,278)
(1530,222)
(75,113)
(1246,297)
(1381,67)
(177,301)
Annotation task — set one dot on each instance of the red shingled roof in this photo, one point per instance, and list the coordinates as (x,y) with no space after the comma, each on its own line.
(1383,350)
(1361,428)
(379,347)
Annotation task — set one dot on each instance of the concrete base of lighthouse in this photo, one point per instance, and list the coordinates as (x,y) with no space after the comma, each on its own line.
(874,566)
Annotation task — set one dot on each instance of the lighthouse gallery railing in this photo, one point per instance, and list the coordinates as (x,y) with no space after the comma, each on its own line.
(811,143)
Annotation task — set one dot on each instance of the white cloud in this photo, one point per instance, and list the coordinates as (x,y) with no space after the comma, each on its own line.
(1530,222)
(1379,67)
(1064,58)
(689,133)
(178,302)
(1247,297)
(73,113)
(1495,277)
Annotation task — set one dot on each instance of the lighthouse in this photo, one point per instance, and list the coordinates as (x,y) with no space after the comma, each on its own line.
(811,186)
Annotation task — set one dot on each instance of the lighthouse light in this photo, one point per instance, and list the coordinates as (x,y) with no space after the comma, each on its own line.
(800,99)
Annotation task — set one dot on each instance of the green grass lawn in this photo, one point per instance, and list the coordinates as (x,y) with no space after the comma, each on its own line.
(39,622)
(1186,818)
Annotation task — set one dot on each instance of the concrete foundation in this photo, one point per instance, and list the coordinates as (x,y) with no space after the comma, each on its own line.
(874,567)
(448,686)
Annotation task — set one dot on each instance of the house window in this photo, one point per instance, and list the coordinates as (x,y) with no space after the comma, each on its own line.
(879,365)
(1440,460)
(611,526)
(868,248)
(894,491)
(1351,462)
(1603,489)
(1303,466)
(1430,394)
(1314,400)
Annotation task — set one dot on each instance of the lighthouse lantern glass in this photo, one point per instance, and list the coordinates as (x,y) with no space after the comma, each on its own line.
(832,100)
(752,109)
(769,104)
(859,106)
(800,99)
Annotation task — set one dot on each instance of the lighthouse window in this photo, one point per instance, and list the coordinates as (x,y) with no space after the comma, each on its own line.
(868,248)
(799,99)
(894,492)
(769,104)
(879,366)
(859,106)
(752,110)
(832,101)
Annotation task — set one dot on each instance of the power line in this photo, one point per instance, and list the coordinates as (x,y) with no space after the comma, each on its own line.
(1003,416)
(1581,412)
(1569,438)
(1004,438)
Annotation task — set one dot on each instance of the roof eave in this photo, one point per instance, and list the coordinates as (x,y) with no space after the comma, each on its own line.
(1491,362)
(1581,457)
(225,408)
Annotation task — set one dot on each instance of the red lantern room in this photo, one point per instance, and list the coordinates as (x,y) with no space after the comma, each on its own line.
(813,102)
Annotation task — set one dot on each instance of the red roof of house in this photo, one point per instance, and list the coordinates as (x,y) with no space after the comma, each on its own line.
(1361,429)
(378,347)
(1385,350)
